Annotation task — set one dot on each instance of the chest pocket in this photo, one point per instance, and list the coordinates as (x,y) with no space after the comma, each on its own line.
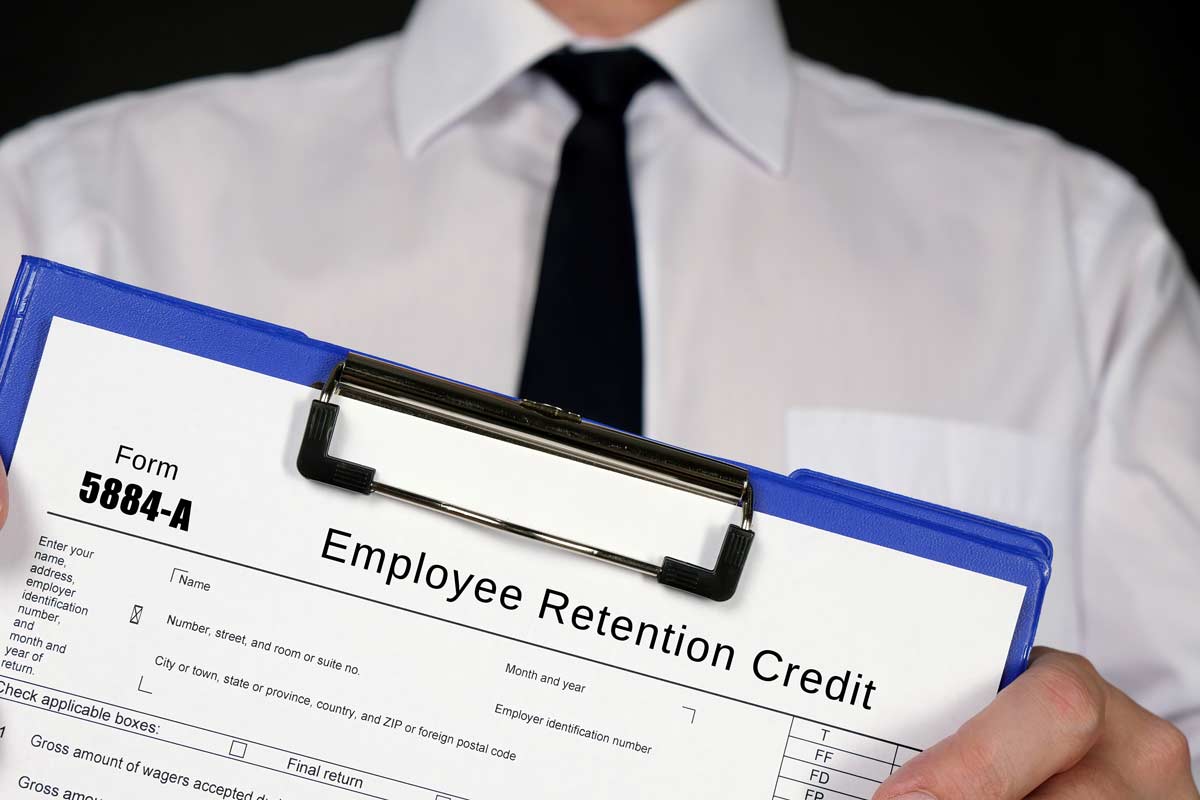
(1006,475)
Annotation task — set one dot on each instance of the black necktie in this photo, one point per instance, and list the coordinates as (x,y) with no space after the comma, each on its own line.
(585,341)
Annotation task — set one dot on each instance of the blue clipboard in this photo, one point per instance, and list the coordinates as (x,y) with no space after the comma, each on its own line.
(44,290)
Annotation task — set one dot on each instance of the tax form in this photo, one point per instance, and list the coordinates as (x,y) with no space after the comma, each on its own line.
(188,617)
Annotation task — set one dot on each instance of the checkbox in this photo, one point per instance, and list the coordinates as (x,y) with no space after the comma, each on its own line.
(237,749)
(135,616)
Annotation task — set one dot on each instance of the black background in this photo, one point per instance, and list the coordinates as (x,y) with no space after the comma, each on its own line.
(1116,77)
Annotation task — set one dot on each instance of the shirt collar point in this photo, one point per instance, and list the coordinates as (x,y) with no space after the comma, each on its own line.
(712,48)
(455,54)
(773,159)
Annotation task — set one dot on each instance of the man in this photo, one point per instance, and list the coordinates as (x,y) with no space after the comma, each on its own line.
(830,275)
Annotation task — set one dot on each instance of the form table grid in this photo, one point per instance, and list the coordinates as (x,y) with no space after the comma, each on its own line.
(821,762)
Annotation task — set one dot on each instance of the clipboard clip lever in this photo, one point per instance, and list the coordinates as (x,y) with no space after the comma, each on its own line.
(542,427)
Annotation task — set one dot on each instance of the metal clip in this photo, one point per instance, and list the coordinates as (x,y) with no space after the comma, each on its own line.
(541,426)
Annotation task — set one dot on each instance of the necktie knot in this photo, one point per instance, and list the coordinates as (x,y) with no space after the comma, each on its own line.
(603,81)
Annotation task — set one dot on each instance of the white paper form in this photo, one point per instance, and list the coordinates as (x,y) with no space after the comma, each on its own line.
(188,617)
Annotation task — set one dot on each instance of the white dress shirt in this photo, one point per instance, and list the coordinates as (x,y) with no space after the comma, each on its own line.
(835,276)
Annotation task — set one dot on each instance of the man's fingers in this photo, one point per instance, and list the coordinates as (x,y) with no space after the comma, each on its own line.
(1042,724)
(1090,780)
(1138,756)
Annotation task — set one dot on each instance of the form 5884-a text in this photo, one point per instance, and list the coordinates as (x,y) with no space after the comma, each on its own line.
(132,499)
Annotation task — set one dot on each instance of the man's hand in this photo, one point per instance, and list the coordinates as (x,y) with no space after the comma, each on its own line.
(1059,732)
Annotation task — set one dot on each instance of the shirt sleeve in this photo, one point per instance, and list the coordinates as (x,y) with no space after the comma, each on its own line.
(1141,499)
(14,224)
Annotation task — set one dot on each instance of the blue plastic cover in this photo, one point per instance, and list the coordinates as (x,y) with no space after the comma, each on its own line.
(44,290)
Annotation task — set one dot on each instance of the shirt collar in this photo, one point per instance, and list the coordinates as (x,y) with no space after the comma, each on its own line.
(730,57)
